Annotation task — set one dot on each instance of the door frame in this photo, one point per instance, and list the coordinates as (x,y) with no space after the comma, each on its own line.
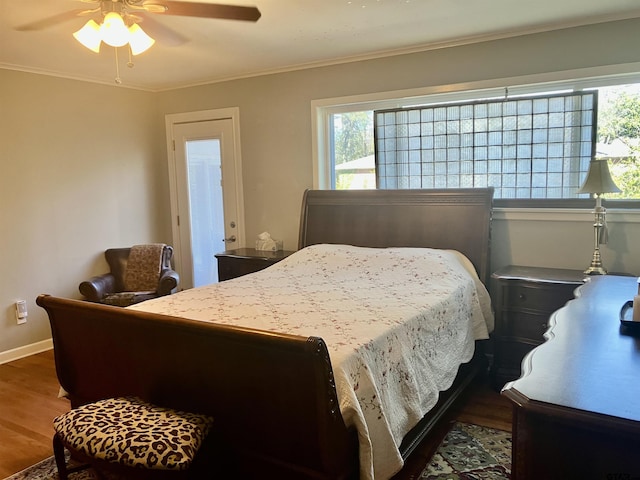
(231,113)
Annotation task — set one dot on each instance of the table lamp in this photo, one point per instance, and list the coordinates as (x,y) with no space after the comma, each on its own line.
(598,181)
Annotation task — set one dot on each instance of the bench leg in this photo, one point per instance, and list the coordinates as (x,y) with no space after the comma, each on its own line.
(61,462)
(58,453)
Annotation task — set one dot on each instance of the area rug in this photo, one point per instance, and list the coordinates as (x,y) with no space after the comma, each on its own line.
(471,452)
(46,470)
(468,452)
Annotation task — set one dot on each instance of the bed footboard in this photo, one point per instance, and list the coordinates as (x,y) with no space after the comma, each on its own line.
(272,395)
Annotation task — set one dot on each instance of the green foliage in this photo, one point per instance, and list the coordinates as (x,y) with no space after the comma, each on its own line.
(348,181)
(344,181)
(626,175)
(353,137)
(619,118)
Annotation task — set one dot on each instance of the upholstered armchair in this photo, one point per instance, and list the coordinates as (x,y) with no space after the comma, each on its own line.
(136,274)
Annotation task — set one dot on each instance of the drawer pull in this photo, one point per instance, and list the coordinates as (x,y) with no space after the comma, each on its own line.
(522,296)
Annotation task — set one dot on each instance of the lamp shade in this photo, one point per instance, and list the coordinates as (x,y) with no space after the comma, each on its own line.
(113,31)
(89,36)
(139,41)
(598,179)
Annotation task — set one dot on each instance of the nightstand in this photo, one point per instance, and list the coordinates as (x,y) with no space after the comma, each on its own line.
(235,263)
(523,300)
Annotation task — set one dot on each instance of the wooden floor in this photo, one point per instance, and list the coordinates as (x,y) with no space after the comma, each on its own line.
(28,403)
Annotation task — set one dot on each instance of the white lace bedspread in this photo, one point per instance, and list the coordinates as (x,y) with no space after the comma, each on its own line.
(398,322)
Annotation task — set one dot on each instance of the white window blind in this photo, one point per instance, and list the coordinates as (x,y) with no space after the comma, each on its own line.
(526,148)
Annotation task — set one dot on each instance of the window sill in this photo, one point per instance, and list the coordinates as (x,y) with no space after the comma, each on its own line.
(564,214)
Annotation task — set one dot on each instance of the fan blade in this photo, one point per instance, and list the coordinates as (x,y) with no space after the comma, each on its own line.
(163,34)
(211,10)
(154,8)
(50,21)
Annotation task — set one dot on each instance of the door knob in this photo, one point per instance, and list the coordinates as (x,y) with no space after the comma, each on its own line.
(230,239)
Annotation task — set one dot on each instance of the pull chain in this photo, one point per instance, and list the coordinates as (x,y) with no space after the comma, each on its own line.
(118,81)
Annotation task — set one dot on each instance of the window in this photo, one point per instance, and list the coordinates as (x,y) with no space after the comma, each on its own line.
(551,177)
(527,147)
(353,151)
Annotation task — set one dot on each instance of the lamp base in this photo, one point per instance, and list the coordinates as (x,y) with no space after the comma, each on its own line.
(596,267)
(595,271)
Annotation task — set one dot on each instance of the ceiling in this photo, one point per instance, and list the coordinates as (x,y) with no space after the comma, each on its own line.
(290,34)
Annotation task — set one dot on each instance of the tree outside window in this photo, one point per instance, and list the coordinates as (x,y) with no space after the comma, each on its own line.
(619,137)
(353,151)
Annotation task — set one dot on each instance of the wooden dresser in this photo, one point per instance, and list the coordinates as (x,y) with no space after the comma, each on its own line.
(523,300)
(577,404)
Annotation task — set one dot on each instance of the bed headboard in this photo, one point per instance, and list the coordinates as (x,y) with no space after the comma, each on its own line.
(458,219)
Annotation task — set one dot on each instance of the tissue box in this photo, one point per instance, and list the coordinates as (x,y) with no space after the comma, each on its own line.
(260,246)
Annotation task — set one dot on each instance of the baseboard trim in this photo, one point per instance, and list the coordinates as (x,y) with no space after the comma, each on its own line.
(21,352)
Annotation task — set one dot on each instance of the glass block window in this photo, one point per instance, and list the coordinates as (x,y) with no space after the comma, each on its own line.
(526,148)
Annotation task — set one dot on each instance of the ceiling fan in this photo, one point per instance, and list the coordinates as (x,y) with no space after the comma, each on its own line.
(119,21)
(136,11)
(166,7)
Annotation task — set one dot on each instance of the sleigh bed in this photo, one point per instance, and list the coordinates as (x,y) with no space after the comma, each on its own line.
(311,369)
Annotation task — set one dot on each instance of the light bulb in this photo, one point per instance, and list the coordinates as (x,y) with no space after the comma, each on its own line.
(113,30)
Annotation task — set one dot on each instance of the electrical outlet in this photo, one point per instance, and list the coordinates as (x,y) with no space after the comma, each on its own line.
(21,312)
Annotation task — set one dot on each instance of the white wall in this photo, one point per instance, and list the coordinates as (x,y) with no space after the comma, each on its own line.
(564,239)
(84,167)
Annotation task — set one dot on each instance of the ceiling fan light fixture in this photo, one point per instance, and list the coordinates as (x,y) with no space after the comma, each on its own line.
(89,36)
(113,30)
(139,41)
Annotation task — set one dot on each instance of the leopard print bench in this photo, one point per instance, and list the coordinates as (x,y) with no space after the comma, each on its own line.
(131,433)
